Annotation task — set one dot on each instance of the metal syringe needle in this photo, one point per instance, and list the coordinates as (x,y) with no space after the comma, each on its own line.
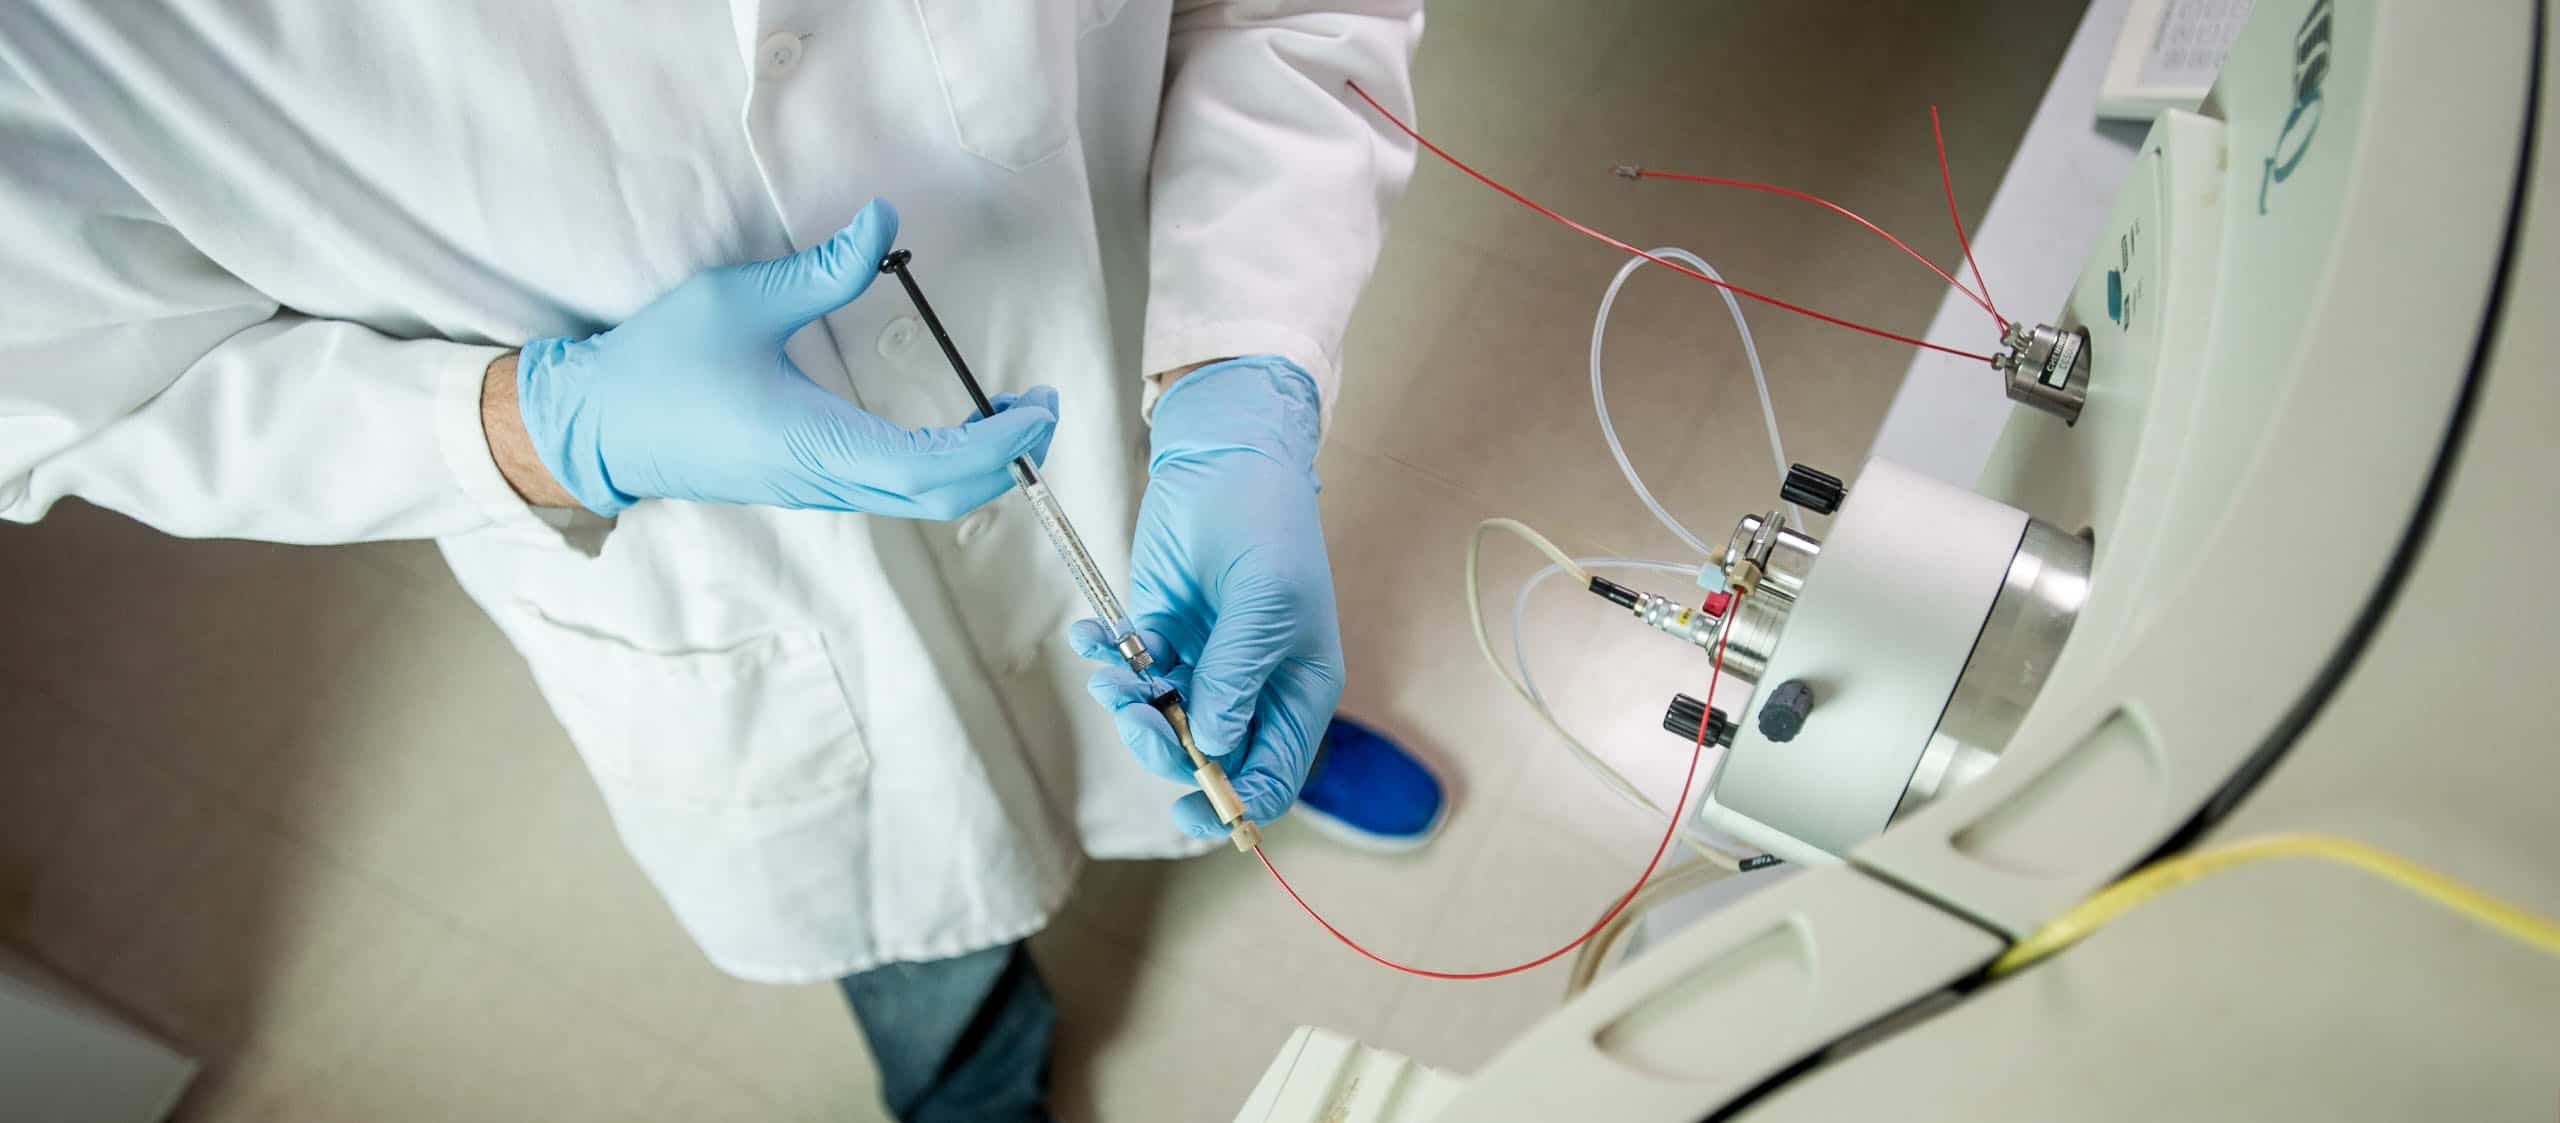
(1089,579)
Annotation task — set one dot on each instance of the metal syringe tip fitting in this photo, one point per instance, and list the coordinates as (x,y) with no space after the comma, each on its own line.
(896,260)
(1212,779)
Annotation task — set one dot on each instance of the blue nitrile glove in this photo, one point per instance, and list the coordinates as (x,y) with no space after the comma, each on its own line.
(1231,588)
(693,398)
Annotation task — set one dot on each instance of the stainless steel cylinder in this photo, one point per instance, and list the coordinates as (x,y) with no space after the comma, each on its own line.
(1785,556)
(2047,367)
(1753,625)
(2040,599)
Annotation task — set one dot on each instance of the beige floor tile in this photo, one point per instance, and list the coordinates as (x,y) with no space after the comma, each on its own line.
(1749,90)
(484,1036)
(46,751)
(296,1043)
(255,923)
(417,564)
(1493,82)
(1526,892)
(1140,1041)
(1609,679)
(796,1046)
(97,838)
(695,1094)
(1401,316)
(199,652)
(598,926)
(1504,407)
(483,811)
(431,722)
(1398,544)
(1220,920)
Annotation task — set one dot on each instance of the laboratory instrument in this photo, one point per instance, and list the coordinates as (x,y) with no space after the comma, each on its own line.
(1088,576)
(2266,557)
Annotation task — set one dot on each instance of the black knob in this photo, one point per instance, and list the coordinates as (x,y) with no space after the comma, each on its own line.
(1813,489)
(1682,720)
(1782,716)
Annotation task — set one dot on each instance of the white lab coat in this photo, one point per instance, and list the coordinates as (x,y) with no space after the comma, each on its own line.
(254,255)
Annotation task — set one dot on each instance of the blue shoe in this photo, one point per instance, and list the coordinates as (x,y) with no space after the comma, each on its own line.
(1367,791)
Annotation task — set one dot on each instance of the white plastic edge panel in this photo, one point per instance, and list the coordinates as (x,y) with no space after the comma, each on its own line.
(1727,1004)
(64,1060)
(1323,1077)
(2286,990)
(2300,989)
(1947,414)
(2344,319)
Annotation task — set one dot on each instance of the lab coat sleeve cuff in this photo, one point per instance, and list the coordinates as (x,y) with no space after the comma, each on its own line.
(1171,349)
(466,449)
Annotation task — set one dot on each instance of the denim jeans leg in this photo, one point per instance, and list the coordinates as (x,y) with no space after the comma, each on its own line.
(958,1039)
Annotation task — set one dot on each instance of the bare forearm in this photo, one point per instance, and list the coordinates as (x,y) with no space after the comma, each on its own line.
(502,423)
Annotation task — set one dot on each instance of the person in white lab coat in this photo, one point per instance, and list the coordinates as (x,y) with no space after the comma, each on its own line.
(265,268)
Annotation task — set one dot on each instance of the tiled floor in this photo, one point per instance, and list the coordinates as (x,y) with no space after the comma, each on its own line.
(302,812)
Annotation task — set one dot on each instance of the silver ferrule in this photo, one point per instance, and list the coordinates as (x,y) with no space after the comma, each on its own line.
(2046,367)
(1672,618)
(1134,652)
(1785,557)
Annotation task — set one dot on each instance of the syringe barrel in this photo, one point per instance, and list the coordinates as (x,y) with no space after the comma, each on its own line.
(1088,576)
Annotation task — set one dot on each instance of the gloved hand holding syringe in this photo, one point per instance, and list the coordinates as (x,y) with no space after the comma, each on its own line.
(1091,581)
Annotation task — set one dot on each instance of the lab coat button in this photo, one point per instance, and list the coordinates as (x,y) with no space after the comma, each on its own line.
(777,54)
(898,340)
(973,526)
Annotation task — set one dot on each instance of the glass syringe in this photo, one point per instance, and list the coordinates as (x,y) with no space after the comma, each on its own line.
(1089,580)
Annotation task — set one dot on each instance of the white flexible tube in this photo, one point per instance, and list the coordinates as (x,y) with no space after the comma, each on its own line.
(1523,532)
(1609,776)
(1538,699)
(1595,951)
(1718,851)
(1520,606)
(1600,400)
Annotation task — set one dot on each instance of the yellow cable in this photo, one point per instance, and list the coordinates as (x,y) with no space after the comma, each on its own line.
(2534,931)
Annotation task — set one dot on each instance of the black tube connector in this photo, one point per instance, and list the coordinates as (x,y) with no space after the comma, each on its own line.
(1613,592)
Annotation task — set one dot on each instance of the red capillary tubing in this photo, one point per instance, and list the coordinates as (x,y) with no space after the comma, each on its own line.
(1939,135)
(1678,808)
(1754,185)
(1627,248)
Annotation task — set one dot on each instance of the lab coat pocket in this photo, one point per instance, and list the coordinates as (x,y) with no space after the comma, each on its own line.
(758,722)
(1008,70)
